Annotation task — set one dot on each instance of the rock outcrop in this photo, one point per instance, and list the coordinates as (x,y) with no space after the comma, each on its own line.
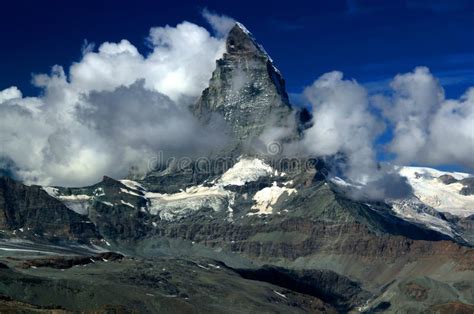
(29,210)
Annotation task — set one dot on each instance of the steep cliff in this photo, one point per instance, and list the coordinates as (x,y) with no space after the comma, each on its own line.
(247,90)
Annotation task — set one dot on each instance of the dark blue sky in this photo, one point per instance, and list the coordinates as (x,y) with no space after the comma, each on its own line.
(370,41)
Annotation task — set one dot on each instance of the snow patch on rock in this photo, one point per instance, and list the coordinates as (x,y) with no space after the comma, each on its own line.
(53,192)
(78,203)
(244,171)
(132,185)
(266,198)
(126,204)
(131,192)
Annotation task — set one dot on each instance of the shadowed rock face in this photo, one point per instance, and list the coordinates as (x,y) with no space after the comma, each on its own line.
(60,262)
(468,188)
(159,285)
(30,210)
(468,183)
(447,179)
(247,90)
(337,290)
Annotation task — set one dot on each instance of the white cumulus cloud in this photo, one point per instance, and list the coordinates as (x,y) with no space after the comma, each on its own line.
(10,93)
(342,123)
(113,109)
(428,128)
(179,66)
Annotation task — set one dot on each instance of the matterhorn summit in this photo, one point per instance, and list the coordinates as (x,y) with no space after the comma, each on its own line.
(247,89)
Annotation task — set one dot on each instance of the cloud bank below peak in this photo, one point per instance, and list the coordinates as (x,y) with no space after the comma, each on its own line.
(112,110)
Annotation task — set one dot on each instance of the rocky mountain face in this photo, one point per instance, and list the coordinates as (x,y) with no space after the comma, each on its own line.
(280,234)
(30,210)
(247,90)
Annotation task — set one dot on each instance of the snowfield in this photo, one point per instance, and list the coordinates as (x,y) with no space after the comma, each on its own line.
(430,200)
(266,198)
(244,171)
(434,193)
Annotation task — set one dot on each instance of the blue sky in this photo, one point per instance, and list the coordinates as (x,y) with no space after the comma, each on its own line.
(370,41)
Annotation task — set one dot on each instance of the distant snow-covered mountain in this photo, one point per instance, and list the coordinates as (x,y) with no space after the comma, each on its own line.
(439,201)
(441,190)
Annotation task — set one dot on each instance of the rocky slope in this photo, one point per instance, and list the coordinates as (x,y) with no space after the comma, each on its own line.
(30,210)
(294,220)
(158,285)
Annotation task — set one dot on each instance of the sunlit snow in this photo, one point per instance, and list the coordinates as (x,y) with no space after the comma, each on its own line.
(266,198)
(434,193)
(244,171)
(177,205)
